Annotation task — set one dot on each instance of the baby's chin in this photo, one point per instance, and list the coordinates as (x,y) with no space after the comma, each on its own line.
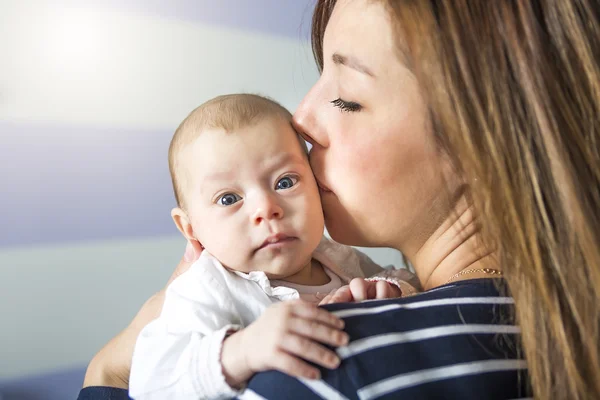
(282,266)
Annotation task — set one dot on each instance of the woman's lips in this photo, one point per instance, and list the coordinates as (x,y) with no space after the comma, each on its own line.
(322,187)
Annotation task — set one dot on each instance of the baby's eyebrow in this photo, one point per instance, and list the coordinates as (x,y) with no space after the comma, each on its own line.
(218,176)
(215,181)
(286,158)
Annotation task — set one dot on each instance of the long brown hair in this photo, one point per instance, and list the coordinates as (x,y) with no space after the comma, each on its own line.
(513,88)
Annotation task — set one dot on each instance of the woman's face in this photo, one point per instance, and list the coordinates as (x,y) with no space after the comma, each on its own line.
(372,145)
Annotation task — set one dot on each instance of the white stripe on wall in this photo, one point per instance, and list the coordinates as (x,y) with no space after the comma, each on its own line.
(61,304)
(374,342)
(102,67)
(352,312)
(435,374)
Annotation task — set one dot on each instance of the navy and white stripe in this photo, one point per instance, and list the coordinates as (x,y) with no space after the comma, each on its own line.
(453,342)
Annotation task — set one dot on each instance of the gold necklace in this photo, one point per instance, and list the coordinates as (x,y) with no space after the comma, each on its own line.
(490,271)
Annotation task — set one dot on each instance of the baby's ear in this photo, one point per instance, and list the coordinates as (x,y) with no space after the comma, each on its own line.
(184,225)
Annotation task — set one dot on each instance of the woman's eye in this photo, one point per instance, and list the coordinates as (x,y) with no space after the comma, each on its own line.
(228,199)
(286,182)
(348,106)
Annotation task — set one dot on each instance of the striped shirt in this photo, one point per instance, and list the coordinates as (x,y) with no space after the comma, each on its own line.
(452,342)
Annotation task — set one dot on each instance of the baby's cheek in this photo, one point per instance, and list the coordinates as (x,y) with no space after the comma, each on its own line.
(228,251)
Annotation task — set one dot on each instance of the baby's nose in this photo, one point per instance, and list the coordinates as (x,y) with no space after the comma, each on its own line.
(267,208)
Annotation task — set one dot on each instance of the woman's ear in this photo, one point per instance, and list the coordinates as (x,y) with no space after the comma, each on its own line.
(182,222)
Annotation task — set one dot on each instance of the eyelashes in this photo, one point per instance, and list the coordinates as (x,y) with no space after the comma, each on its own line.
(347,106)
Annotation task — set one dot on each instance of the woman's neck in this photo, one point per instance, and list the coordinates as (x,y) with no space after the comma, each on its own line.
(455,246)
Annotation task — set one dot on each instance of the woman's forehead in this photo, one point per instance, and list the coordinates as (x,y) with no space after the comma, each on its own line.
(360,32)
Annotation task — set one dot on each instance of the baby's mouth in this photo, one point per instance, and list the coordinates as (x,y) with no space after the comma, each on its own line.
(277,240)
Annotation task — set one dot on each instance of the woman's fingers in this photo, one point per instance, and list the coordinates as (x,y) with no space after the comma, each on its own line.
(309,350)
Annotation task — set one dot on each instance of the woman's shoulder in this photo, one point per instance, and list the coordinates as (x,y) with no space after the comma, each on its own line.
(456,341)
(464,307)
(475,292)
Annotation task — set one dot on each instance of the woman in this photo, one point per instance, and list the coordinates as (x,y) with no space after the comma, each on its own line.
(464,133)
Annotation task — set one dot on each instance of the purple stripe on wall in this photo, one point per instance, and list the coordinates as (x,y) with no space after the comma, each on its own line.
(72,183)
(290,18)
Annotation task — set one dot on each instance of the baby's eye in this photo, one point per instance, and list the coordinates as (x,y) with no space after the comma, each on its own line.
(286,182)
(228,199)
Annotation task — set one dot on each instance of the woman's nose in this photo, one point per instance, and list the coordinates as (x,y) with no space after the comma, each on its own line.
(267,209)
(309,117)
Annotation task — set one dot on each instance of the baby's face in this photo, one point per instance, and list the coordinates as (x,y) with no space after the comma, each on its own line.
(252,199)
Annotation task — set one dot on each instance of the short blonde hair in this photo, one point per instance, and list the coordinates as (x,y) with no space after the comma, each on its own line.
(229,112)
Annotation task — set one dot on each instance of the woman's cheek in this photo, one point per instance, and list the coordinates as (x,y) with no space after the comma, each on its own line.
(361,162)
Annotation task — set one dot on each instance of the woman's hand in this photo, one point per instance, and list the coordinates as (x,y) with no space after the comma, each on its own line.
(361,289)
(282,338)
(112,364)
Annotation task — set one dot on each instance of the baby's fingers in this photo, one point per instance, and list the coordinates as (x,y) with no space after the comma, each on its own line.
(309,312)
(293,366)
(309,350)
(341,295)
(361,289)
(387,290)
(319,332)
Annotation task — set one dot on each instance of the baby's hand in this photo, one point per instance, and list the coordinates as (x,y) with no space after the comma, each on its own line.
(286,333)
(361,289)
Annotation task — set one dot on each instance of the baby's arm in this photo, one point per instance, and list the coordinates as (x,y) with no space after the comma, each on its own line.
(356,264)
(380,283)
(282,338)
(178,355)
(197,349)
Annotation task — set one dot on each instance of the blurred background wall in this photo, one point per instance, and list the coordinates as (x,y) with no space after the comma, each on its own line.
(90,94)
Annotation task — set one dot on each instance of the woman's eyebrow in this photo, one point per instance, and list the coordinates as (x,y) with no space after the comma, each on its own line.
(351,62)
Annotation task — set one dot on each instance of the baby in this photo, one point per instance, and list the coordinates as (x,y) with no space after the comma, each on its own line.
(246,194)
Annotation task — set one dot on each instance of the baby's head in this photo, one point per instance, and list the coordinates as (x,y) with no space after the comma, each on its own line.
(243,186)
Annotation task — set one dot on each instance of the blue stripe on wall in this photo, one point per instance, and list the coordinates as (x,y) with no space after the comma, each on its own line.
(290,18)
(60,385)
(72,183)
